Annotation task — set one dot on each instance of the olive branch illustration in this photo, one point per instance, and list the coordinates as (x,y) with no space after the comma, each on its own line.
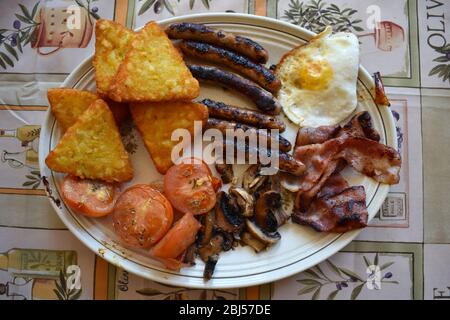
(342,278)
(159,5)
(442,70)
(182,293)
(316,15)
(62,291)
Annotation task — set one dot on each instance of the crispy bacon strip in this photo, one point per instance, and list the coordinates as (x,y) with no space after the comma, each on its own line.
(310,135)
(373,159)
(369,157)
(303,199)
(380,94)
(340,212)
(334,185)
(361,126)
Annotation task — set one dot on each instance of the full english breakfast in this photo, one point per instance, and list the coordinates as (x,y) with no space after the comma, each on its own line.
(199,209)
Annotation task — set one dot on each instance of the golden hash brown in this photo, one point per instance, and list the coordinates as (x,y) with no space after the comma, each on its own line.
(112,43)
(153,70)
(92,148)
(68,104)
(156,122)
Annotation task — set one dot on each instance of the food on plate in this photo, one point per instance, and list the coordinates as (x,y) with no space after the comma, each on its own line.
(286,161)
(189,187)
(319,79)
(92,148)
(157,121)
(112,42)
(243,65)
(142,216)
(68,104)
(225,170)
(229,217)
(324,200)
(153,70)
(178,238)
(201,32)
(224,111)
(89,197)
(373,159)
(249,213)
(189,213)
(224,126)
(360,125)
(263,99)
(343,209)
(269,212)
(311,135)
(380,95)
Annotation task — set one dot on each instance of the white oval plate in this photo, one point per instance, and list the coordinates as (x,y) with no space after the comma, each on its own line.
(300,247)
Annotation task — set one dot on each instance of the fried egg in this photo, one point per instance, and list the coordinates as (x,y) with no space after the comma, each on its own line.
(319,79)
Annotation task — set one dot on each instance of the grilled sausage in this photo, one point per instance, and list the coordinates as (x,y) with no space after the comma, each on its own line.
(200,32)
(223,125)
(286,163)
(263,99)
(253,71)
(224,111)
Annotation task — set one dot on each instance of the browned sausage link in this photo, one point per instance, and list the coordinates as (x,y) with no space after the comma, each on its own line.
(200,32)
(286,163)
(221,110)
(223,125)
(291,165)
(263,99)
(254,71)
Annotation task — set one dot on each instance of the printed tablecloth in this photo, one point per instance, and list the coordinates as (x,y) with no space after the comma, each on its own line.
(409,239)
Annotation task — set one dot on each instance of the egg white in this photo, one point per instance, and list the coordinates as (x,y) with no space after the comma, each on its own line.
(331,61)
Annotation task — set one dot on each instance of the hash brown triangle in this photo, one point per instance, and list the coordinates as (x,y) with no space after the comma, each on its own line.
(156,122)
(112,43)
(92,148)
(153,70)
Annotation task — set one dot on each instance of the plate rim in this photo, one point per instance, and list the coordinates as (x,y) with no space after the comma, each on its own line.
(104,250)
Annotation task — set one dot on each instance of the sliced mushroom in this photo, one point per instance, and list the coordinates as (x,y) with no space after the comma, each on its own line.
(189,257)
(225,171)
(269,212)
(228,241)
(207,227)
(214,247)
(244,200)
(268,238)
(252,179)
(210,266)
(228,215)
(251,241)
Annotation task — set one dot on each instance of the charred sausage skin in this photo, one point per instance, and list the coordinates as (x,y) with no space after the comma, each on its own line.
(263,99)
(241,64)
(201,32)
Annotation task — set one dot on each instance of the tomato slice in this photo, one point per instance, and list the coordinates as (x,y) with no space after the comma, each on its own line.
(178,239)
(90,197)
(189,187)
(142,216)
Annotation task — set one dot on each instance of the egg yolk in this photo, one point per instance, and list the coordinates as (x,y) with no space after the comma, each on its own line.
(314,75)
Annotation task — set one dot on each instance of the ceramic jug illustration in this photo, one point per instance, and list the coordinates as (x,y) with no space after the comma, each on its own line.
(387,35)
(53,30)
